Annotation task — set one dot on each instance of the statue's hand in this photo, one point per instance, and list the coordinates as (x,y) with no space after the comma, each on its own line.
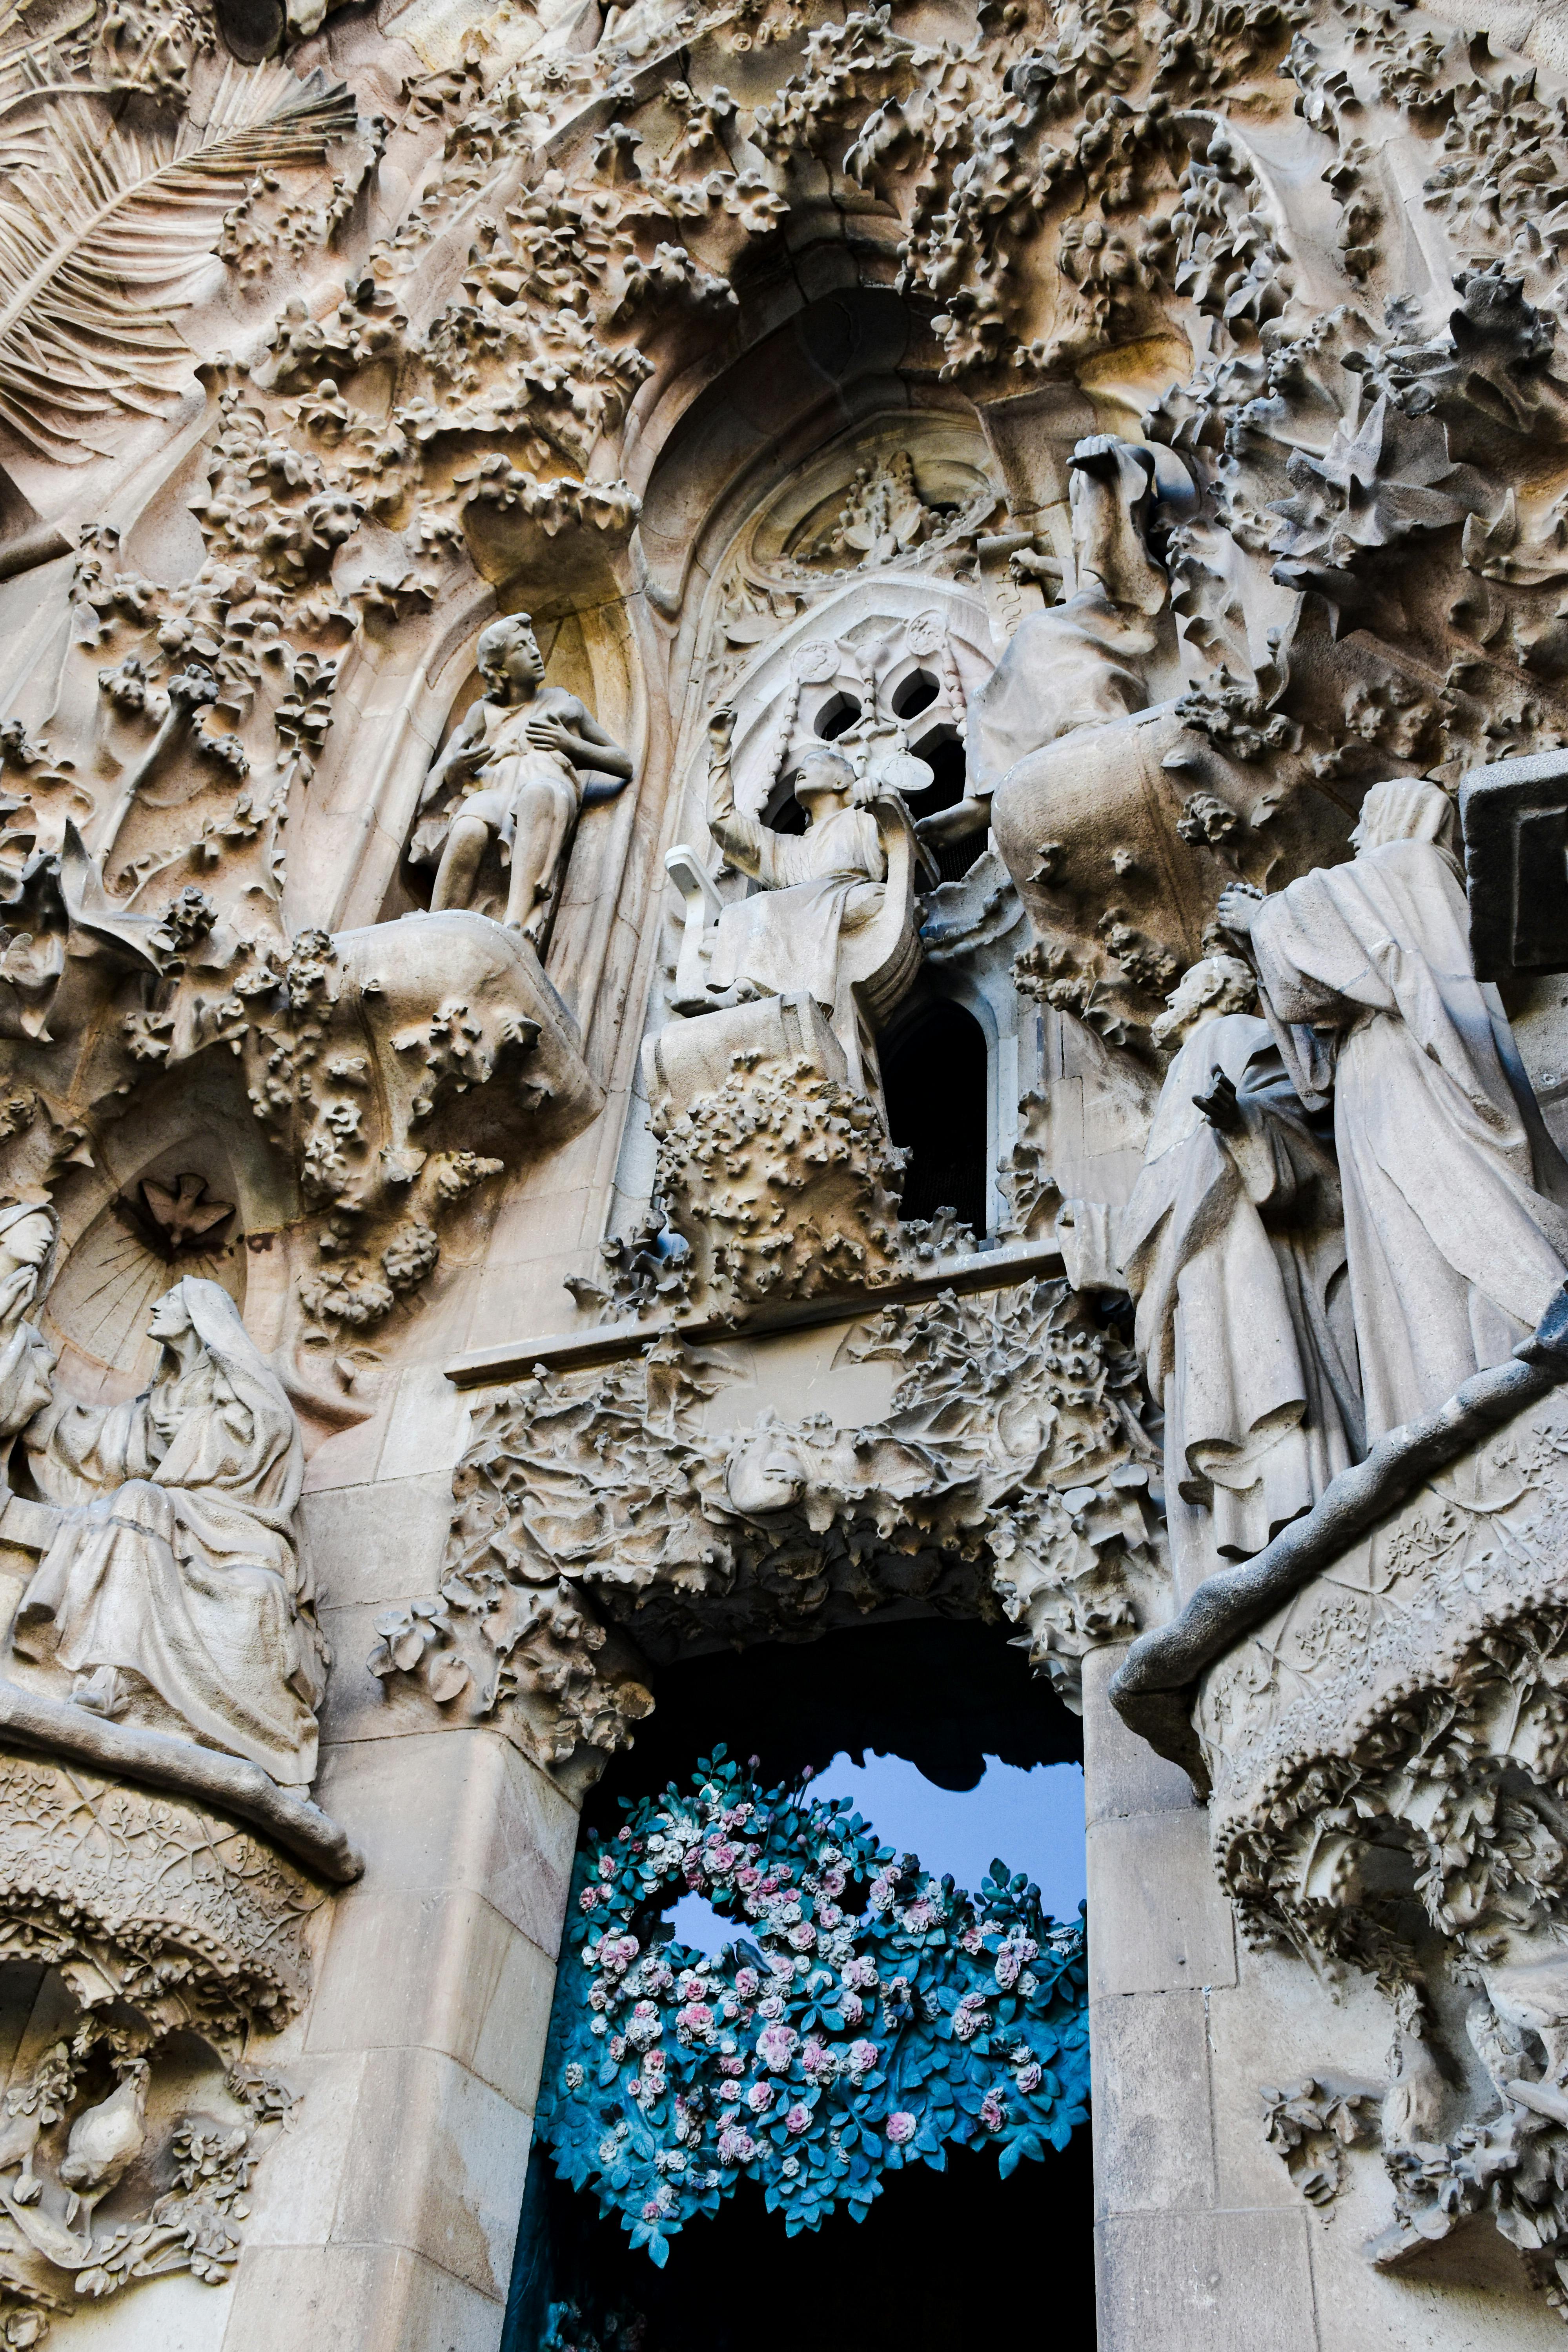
(1219,1105)
(720,727)
(1094,444)
(15,1293)
(552,735)
(1239,905)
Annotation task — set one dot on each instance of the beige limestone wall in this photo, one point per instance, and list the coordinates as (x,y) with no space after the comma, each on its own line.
(385,2220)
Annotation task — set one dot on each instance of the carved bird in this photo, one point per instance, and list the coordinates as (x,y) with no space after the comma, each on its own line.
(106,2140)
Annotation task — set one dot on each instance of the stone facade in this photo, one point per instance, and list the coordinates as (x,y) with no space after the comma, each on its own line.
(580,584)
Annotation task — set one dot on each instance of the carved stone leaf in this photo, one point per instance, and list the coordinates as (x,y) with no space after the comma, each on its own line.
(103,231)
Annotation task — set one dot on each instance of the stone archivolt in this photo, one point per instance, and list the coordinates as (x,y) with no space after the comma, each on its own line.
(1009,1478)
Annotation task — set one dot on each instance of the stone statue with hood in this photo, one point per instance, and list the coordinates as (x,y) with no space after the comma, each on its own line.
(1455,1200)
(172,1590)
(1233,1249)
(1078,664)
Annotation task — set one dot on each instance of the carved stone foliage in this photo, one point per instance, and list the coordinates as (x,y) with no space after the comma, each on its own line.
(1388,1758)
(1010,1477)
(359,1051)
(159,1934)
(151,1900)
(782,1183)
(175,2182)
(357,1057)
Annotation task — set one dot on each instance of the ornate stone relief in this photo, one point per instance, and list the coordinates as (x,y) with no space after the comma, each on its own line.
(167,1636)
(158,1934)
(1010,1477)
(1386,1756)
(1180,438)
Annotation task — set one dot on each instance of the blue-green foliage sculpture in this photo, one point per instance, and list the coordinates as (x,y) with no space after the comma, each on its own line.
(869,2016)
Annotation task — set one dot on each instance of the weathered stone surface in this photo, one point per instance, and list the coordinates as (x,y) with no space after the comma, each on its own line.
(573,586)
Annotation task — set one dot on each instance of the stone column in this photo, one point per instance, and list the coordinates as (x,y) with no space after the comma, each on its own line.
(385,2220)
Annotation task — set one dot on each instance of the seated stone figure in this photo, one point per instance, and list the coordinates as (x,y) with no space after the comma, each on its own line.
(816,885)
(835,918)
(517,760)
(172,1588)
(1078,664)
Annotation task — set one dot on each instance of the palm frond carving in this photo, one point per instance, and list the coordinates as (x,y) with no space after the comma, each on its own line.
(32,61)
(103,231)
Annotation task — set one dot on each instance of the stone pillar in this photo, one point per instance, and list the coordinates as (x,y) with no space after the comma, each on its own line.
(1203,2243)
(385,2220)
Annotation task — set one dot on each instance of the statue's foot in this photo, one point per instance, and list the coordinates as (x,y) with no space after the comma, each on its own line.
(98,1693)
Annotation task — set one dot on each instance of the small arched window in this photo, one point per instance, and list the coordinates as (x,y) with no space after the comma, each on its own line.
(837,717)
(936,1085)
(914,694)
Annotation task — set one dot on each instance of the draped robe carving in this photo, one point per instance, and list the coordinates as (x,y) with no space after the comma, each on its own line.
(176,1562)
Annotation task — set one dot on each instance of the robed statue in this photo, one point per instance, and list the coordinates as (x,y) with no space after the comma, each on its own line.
(1232,1246)
(172,1592)
(29,1237)
(816,886)
(1455,1200)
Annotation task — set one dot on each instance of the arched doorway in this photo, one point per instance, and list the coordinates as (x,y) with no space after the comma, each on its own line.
(937,2247)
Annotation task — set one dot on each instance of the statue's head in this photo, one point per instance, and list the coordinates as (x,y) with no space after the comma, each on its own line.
(1215,985)
(509,654)
(1404,809)
(765,1472)
(171,1316)
(28,1234)
(823,782)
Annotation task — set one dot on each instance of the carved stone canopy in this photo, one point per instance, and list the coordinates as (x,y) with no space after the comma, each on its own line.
(1008,1478)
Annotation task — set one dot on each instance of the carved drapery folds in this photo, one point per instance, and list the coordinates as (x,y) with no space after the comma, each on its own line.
(1010,1477)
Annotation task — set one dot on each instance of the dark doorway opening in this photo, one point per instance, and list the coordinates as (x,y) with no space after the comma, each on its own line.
(938,2259)
(936,1084)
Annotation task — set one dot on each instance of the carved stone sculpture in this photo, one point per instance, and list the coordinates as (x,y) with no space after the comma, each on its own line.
(1455,1200)
(833,917)
(29,1238)
(1232,1247)
(172,1590)
(1385,1751)
(1021,1487)
(520,757)
(1080,662)
(1141,425)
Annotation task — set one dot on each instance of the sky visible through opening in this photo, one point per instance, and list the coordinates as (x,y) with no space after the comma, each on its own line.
(1032,1819)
